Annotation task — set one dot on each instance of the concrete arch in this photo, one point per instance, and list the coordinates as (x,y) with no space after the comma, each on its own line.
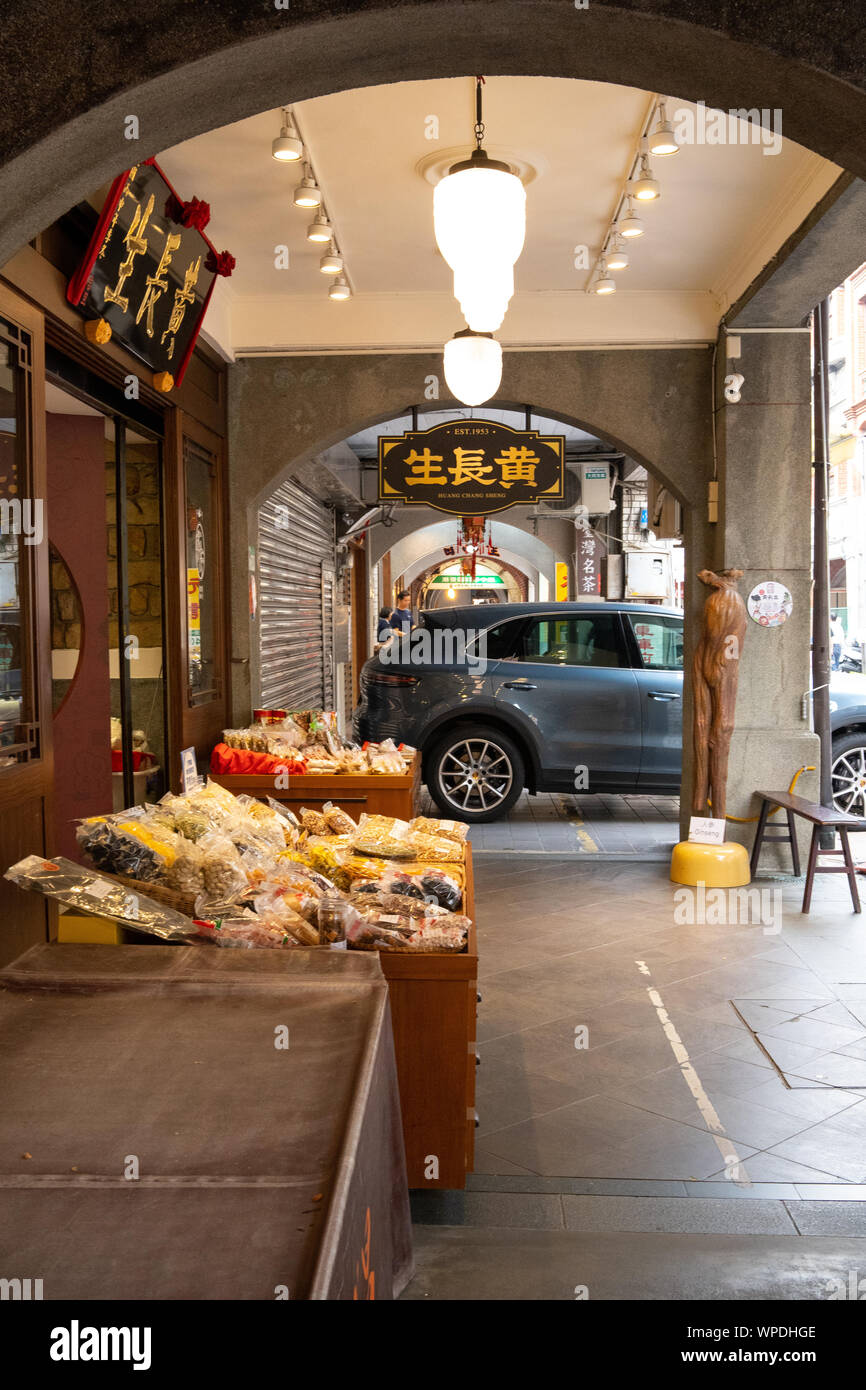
(283,411)
(63,135)
(427,562)
(426,544)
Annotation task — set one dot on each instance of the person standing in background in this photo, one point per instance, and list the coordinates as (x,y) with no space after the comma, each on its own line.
(837,637)
(383,626)
(401,618)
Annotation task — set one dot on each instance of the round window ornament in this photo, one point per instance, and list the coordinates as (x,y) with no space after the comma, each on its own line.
(770,604)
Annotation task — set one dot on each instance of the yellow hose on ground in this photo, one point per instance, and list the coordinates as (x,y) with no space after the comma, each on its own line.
(747,820)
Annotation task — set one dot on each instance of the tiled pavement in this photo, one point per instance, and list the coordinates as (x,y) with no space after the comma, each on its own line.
(589,1148)
(553,824)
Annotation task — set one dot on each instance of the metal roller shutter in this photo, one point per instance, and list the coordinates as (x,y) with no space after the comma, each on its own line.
(296,567)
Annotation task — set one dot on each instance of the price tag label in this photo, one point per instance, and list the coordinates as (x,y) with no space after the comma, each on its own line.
(704,830)
(189,777)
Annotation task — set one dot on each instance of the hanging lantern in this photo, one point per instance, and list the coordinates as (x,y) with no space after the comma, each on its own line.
(473,366)
(479,219)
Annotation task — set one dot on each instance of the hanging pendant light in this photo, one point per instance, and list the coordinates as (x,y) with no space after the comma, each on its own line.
(484,295)
(287,147)
(663,141)
(631,225)
(479,212)
(307,194)
(473,366)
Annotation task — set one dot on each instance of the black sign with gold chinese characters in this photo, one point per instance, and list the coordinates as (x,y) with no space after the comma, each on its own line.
(149,272)
(471,467)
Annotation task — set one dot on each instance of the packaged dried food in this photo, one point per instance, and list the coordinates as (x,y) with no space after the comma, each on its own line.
(443,888)
(222,868)
(434,849)
(396,902)
(123,844)
(380,929)
(444,829)
(390,881)
(338,821)
(92,893)
(243,932)
(185,875)
(313,821)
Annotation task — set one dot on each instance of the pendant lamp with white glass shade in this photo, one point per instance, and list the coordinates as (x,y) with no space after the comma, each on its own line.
(483,295)
(473,366)
(479,219)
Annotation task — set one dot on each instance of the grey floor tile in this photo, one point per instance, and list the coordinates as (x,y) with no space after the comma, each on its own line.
(726,1190)
(527,1210)
(828,1148)
(771,1168)
(815,1104)
(710,1216)
(829,1218)
(467,1264)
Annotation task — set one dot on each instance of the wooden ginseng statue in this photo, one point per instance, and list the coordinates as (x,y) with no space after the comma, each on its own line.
(715,668)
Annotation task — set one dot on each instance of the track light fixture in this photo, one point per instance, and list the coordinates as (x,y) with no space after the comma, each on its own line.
(307,194)
(340,289)
(287,147)
(663,141)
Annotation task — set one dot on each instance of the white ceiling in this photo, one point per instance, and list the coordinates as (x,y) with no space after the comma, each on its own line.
(723,212)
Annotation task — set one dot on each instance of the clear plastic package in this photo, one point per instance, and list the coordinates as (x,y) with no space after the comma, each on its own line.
(92,893)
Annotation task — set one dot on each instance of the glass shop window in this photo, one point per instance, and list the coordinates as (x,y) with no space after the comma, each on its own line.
(202,550)
(21,523)
(660,640)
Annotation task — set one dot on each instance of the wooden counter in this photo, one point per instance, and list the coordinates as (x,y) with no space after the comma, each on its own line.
(381,794)
(433,1005)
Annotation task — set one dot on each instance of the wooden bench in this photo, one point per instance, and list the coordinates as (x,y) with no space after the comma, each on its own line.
(821,818)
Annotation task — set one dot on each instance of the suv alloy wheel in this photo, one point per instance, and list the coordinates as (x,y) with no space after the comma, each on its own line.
(848,777)
(475,773)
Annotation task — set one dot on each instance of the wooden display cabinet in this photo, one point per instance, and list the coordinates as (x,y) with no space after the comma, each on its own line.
(380,794)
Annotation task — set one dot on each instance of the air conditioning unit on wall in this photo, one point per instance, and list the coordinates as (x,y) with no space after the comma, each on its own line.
(665,512)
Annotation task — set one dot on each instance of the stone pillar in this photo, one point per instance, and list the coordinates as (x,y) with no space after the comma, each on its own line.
(764,464)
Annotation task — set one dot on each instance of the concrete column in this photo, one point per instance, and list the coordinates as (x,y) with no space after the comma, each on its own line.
(764,458)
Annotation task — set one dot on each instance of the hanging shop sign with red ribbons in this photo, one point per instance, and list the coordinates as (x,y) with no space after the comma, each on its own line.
(149,272)
(466,467)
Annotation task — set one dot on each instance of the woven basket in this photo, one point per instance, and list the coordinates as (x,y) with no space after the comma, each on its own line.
(181,902)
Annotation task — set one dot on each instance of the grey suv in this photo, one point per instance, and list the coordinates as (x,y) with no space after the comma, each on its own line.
(568,697)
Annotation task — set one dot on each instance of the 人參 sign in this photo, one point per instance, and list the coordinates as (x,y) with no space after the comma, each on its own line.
(149,272)
(469,467)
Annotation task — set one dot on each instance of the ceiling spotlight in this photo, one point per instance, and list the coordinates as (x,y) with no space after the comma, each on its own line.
(340,289)
(645,188)
(332,262)
(605,284)
(473,366)
(287,147)
(617,257)
(307,194)
(663,141)
(320,229)
(631,225)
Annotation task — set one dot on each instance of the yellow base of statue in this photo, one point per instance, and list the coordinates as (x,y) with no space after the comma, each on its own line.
(717,866)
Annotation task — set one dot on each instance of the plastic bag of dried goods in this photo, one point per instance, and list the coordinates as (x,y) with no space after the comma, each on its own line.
(222,868)
(247,933)
(395,902)
(313,821)
(125,844)
(431,848)
(445,829)
(274,912)
(391,881)
(442,888)
(185,875)
(92,893)
(338,821)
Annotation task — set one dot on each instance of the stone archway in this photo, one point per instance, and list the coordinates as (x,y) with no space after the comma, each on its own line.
(62,136)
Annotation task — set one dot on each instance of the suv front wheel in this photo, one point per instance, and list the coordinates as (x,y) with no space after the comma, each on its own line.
(475,774)
(849,774)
